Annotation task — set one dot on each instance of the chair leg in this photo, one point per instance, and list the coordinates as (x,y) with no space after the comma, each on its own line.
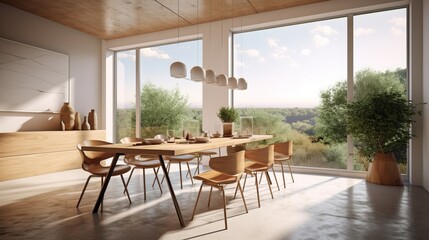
(236,188)
(83,190)
(126,189)
(197,170)
(257,189)
(196,202)
(189,171)
(157,179)
(153,183)
(290,170)
(242,196)
(269,185)
(224,208)
(180,172)
(210,196)
(275,178)
(168,171)
(102,182)
(283,174)
(129,178)
(144,184)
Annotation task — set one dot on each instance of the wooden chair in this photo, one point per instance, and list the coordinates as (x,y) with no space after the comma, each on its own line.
(200,156)
(179,159)
(225,170)
(91,163)
(283,153)
(142,162)
(259,160)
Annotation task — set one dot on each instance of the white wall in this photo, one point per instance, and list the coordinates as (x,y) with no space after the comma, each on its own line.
(426,94)
(85,65)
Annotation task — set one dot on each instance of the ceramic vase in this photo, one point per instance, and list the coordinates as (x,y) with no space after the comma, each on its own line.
(77,122)
(85,124)
(92,120)
(67,115)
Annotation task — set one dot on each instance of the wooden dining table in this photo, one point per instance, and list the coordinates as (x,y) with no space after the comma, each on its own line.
(165,149)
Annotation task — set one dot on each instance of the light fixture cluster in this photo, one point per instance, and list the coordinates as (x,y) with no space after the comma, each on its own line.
(198,74)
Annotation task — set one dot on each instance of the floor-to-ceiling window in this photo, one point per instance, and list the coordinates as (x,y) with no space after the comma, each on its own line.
(380,60)
(161,102)
(289,70)
(297,77)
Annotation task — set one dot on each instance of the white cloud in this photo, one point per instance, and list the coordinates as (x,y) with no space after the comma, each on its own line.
(126,55)
(239,64)
(324,30)
(293,63)
(279,52)
(321,34)
(398,21)
(154,52)
(397,32)
(305,52)
(363,31)
(320,40)
(252,52)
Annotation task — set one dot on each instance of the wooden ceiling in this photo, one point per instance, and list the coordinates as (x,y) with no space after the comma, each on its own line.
(110,19)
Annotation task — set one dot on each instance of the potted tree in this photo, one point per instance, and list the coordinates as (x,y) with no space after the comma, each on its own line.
(228,116)
(380,123)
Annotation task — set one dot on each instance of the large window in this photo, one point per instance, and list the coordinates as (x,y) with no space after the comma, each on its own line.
(298,82)
(288,68)
(380,60)
(165,102)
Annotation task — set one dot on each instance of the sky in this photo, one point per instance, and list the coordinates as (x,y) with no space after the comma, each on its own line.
(285,66)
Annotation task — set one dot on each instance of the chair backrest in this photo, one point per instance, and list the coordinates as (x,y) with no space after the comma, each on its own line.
(285,148)
(129,158)
(231,164)
(91,157)
(235,148)
(261,155)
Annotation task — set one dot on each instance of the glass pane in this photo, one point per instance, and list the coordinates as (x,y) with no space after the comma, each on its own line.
(167,102)
(126,93)
(380,61)
(287,70)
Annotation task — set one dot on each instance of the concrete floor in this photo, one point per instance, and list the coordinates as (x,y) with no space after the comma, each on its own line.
(314,207)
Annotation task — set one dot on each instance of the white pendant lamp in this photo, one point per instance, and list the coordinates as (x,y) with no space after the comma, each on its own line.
(221,80)
(178,69)
(198,74)
(210,77)
(232,83)
(242,84)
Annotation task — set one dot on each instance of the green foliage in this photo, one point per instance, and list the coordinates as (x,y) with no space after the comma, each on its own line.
(330,121)
(162,108)
(265,122)
(369,82)
(380,122)
(228,114)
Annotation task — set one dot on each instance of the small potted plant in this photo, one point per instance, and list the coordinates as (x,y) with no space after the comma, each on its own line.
(228,116)
(379,124)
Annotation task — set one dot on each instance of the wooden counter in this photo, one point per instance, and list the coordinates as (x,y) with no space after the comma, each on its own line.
(24,154)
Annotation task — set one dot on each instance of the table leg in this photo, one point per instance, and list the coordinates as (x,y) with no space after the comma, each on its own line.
(173,195)
(106,182)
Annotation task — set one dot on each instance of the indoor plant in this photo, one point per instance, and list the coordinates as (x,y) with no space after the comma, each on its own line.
(228,115)
(380,123)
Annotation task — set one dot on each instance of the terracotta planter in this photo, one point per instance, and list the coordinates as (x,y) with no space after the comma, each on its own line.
(384,170)
(228,129)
